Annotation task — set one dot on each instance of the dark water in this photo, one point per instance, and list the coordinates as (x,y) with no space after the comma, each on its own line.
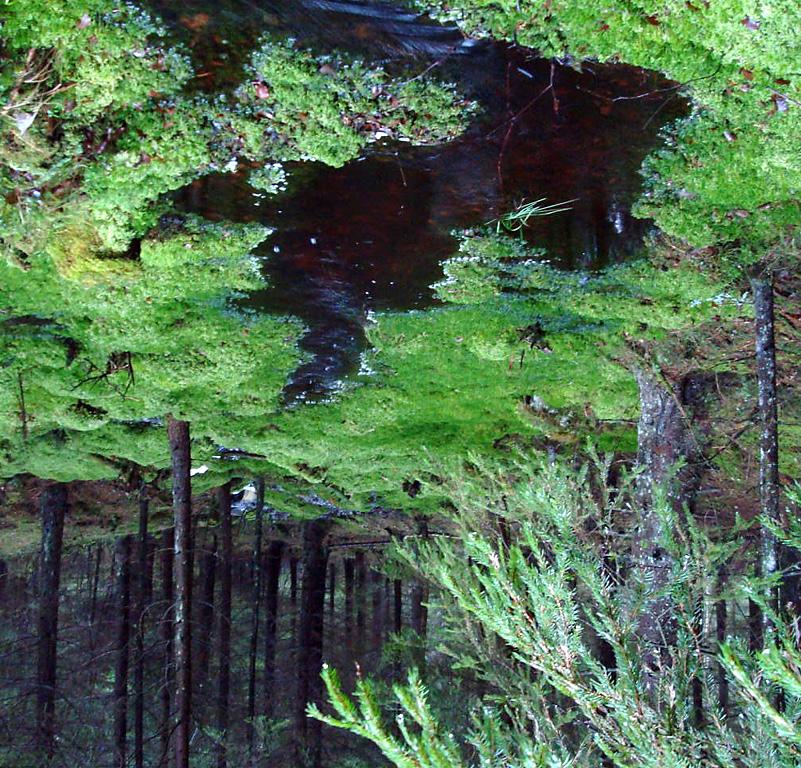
(357,610)
(372,235)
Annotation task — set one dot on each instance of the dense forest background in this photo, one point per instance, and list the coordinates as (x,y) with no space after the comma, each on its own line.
(400,386)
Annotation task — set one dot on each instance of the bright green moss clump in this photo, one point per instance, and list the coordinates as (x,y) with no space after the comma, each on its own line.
(328,108)
(522,355)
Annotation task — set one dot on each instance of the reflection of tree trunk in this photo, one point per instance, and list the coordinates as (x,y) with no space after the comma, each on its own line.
(95,582)
(310,639)
(141,602)
(255,575)
(360,597)
(332,583)
(53,509)
(181,499)
(762,287)
(272,576)
(208,576)
(121,651)
(398,605)
(348,567)
(721,620)
(664,439)
(377,614)
(165,634)
(224,507)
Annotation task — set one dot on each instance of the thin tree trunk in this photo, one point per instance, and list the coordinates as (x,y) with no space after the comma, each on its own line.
(95,582)
(721,628)
(121,651)
(348,568)
(53,510)
(332,583)
(142,597)
(398,605)
(223,695)
(165,634)
(208,578)
(310,645)
(182,510)
(769,490)
(255,576)
(360,597)
(272,578)
(377,612)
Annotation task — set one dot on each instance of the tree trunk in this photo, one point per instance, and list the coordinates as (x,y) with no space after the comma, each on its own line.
(121,651)
(721,628)
(377,612)
(332,583)
(398,606)
(762,287)
(664,440)
(165,634)
(255,576)
(53,510)
(204,641)
(223,695)
(95,582)
(348,568)
(272,577)
(182,510)
(360,597)
(141,604)
(310,640)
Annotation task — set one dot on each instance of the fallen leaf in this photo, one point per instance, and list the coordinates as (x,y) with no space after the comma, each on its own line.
(262,91)
(84,21)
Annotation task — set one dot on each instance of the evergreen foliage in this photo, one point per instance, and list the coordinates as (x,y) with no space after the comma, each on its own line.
(539,599)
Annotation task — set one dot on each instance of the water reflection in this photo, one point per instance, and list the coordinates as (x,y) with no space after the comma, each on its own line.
(372,235)
(302,594)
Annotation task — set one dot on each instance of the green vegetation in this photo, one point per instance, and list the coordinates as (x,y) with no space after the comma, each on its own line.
(729,173)
(551,667)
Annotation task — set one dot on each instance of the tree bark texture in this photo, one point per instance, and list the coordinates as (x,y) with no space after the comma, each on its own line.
(178,432)
(121,651)
(272,575)
(223,693)
(310,639)
(52,512)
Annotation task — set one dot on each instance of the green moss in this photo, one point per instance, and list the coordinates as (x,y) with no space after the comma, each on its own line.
(328,108)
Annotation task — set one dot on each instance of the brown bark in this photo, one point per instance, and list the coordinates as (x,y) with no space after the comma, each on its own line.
(53,509)
(141,603)
(223,693)
(310,640)
(255,575)
(121,651)
(272,576)
(178,432)
(165,634)
(205,609)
